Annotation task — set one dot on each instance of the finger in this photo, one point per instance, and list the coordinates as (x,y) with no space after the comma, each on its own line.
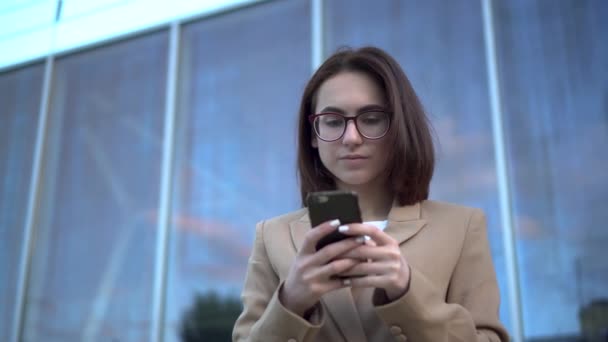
(317,233)
(374,253)
(376,281)
(327,271)
(370,242)
(334,250)
(371,268)
(334,284)
(379,236)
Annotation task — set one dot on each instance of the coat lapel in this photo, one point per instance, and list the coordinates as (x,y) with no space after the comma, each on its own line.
(298,230)
(339,303)
(403,223)
(341,307)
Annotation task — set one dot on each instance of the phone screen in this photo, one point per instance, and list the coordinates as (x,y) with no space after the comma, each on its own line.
(330,205)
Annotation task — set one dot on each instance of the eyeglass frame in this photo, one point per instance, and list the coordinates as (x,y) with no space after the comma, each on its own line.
(313,117)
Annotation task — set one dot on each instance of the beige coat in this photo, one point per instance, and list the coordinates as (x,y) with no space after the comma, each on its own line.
(453,293)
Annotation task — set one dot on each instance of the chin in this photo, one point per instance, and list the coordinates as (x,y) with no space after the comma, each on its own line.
(355,179)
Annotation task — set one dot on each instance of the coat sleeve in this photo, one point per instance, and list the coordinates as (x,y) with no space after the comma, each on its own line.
(264,318)
(470,311)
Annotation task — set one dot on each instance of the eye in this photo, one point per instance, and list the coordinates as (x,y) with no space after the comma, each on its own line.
(372,118)
(332,120)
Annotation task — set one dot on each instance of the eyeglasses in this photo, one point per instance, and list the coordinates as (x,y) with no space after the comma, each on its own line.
(373,124)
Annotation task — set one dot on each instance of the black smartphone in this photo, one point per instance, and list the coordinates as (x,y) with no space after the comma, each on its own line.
(330,205)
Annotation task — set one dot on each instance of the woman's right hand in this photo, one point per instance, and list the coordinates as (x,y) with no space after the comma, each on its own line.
(311,274)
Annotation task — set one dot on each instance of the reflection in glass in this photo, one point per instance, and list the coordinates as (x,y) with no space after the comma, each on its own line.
(440,46)
(20,92)
(555,85)
(240,80)
(92,271)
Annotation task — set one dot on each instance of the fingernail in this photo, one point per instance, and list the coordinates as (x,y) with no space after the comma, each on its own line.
(361,239)
(334,223)
(346,282)
(343,229)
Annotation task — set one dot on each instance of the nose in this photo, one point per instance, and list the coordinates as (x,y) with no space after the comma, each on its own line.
(351,134)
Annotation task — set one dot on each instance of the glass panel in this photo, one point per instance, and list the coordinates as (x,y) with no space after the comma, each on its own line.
(440,46)
(20,93)
(555,82)
(241,77)
(92,272)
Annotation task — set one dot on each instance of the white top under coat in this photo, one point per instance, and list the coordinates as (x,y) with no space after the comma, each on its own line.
(379,224)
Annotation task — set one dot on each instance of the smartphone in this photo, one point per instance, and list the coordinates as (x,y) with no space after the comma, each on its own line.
(330,205)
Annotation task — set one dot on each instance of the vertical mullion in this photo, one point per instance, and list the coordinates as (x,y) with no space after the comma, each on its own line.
(32,205)
(317,27)
(166,190)
(506,211)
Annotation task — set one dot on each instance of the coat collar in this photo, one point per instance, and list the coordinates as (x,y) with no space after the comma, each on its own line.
(403,223)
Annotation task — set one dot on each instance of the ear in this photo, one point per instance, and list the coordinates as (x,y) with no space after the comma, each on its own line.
(314,142)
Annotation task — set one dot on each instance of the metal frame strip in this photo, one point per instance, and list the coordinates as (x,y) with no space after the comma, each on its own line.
(32,205)
(317,29)
(166,190)
(504,200)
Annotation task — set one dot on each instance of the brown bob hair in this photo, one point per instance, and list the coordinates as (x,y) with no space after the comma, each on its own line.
(412,161)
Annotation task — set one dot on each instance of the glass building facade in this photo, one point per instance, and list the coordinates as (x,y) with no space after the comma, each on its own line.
(133,172)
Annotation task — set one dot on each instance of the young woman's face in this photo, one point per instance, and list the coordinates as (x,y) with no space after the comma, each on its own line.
(354,160)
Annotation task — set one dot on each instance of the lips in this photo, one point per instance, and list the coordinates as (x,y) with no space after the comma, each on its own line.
(353,157)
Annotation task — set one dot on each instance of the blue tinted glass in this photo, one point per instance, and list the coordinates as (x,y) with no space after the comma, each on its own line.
(20,92)
(554,74)
(241,77)
(440,46)
(92,267)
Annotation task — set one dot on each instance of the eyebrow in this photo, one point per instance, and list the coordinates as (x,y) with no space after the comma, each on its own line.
(360,110)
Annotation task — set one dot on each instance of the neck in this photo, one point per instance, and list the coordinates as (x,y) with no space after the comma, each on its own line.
(375,202)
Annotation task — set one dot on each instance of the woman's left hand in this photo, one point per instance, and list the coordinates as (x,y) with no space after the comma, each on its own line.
(386,267)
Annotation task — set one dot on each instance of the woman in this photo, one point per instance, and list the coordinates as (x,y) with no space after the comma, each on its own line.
(424,269)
